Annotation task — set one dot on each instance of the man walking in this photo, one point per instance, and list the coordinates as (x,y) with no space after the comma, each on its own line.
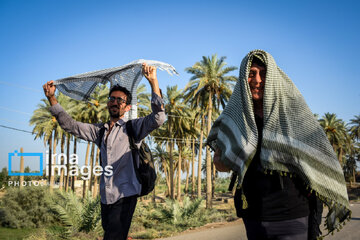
(285,163)
(118,192)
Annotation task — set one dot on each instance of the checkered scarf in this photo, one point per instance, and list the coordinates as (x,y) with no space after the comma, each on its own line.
(81,86)
(293,141)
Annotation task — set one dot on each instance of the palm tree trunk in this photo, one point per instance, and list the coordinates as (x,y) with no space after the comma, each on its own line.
(341,155)
(172,189)
(62,144)
(200,157)
(92,155)
(167,174)
(96,191)
(86,163)
(68,163)
(74,177)
(167,170)
(179,173)
(52,178)
(208,158)
(50,156)
(187,181)
(213,179)
(193,168)
(176,179)
(353,173)
(167,177)
(21,168)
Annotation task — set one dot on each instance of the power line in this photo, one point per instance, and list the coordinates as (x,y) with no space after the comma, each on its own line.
(35,90)
(16,129)
(156,137)
(17,111)
(19,86)
(11,121)
(29,114)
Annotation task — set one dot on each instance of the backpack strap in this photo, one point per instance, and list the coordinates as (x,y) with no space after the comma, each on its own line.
(130,133)
(101,136)
(133,147)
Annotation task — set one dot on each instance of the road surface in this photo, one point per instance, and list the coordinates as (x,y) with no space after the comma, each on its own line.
(236,230)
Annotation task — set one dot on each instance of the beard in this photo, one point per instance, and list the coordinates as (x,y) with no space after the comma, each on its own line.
(114,115)
(116,112)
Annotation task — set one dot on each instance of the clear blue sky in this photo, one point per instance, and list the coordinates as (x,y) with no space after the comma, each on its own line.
(315,42)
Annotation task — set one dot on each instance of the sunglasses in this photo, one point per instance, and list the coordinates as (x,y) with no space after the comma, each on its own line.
(119,100)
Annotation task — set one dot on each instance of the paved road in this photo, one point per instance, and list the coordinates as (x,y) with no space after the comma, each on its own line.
(236,230)
(351,230)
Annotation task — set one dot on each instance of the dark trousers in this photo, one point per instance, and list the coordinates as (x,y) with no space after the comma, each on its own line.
(294,229)
(116,218)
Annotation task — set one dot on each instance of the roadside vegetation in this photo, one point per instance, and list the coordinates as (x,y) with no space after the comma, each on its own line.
(189,192)
(36,213)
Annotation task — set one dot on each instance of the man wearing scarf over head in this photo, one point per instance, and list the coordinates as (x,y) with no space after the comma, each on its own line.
(285,164)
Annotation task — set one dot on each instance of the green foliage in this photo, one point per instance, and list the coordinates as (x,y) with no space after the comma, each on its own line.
(173,216)
(61,215)
(182,215)
(222,185)
(20,234)
(25,208)
(76,215)
(4,177)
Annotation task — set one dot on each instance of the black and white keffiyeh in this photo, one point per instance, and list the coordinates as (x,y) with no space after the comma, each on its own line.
(81,86)
(293,141)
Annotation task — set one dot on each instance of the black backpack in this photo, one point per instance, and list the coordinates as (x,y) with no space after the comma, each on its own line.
(145,173)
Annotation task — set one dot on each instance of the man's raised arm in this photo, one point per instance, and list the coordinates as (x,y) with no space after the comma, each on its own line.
(86,131)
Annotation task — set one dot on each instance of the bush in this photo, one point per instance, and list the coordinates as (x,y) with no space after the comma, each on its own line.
(163,220)
(25,208)
(77,217)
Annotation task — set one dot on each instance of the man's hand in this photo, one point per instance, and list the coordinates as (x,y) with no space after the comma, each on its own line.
(49,90)
(150,74)
(217,162)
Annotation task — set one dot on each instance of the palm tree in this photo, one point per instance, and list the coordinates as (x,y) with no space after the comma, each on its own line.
(186,160)
(181,131)
(44,127)
(194,122)
(161,157)
(198,102)
(175,108)
(351,152)
(354,147)
(336,132)
(66,103)
(209,79)
(143,100)
(355,128)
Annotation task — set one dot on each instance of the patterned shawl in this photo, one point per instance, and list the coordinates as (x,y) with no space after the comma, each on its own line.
(293,141)
(81,86)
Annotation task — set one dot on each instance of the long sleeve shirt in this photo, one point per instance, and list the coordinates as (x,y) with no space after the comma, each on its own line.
(115,151)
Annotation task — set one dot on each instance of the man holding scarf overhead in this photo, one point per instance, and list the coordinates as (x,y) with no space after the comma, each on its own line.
(285,164)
